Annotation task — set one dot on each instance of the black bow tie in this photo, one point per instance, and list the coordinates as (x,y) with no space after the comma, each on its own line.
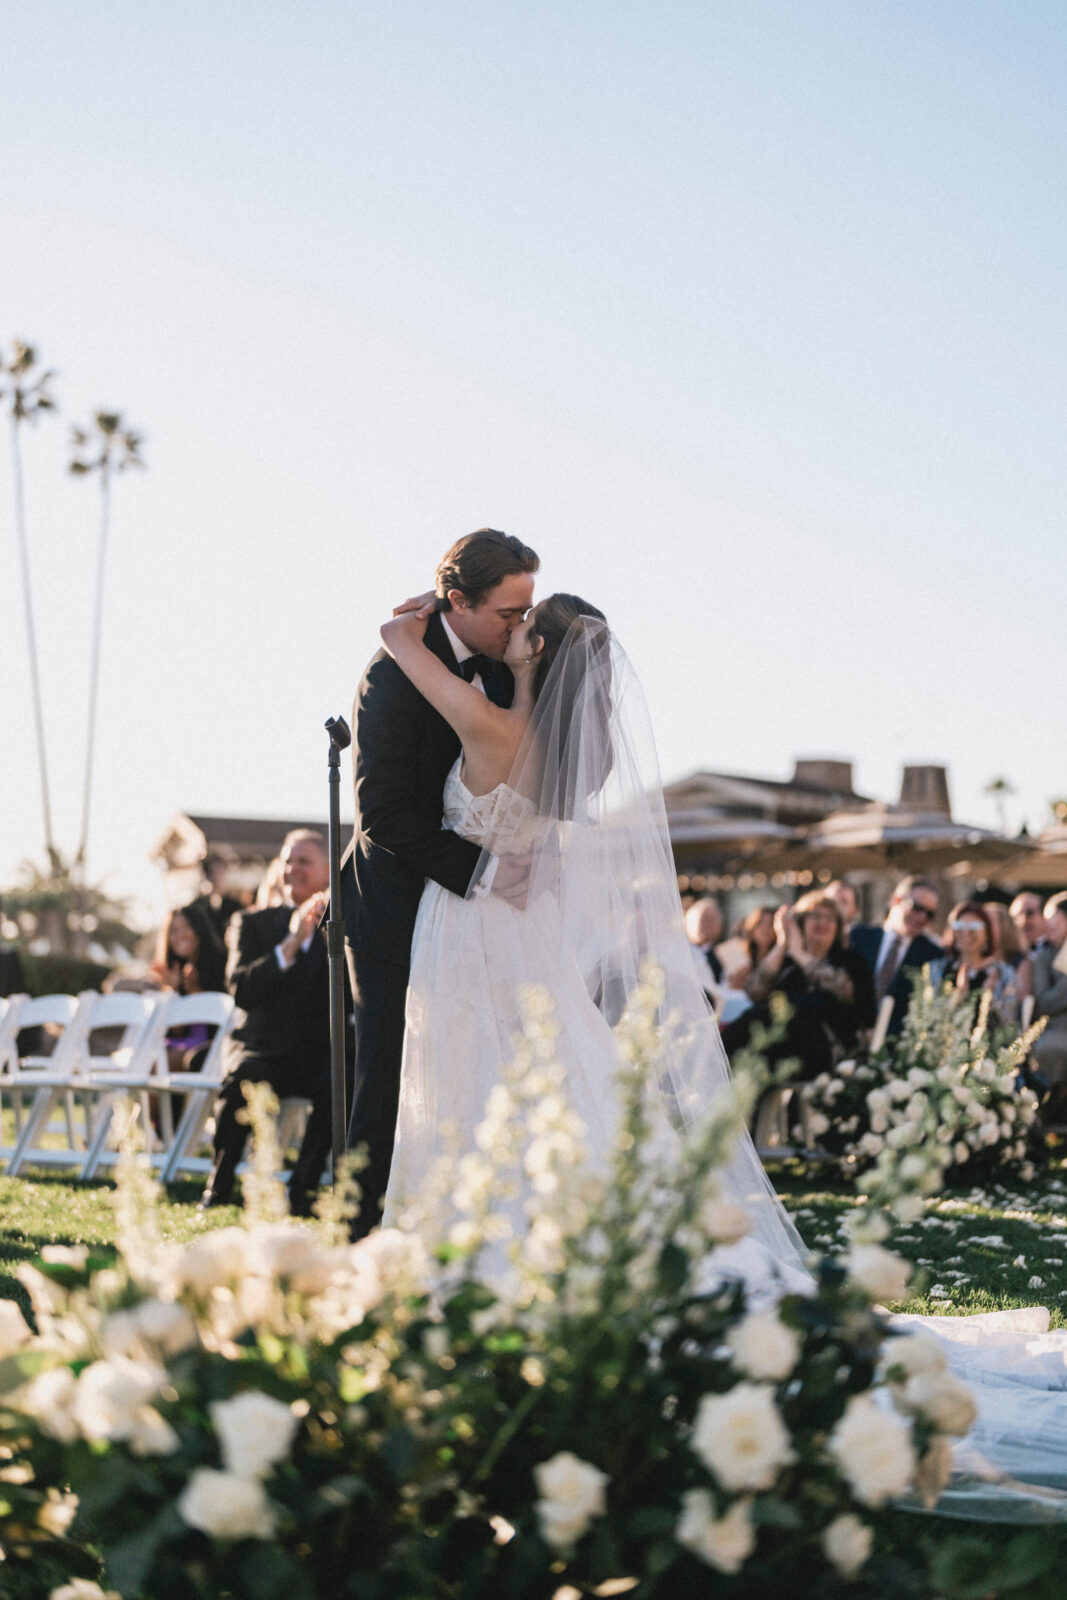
(475,665)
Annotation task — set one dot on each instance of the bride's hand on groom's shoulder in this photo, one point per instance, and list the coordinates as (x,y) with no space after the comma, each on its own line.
(421,604)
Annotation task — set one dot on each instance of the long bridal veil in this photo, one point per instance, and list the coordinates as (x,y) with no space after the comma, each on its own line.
(584,801)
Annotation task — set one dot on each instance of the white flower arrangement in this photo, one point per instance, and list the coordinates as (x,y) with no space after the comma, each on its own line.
(606,1417)
(945,1093)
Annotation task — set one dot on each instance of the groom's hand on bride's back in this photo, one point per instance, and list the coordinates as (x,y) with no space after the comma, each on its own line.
(511,880)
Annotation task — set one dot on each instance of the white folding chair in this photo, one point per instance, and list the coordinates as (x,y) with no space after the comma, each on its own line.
(138,1069)
(79,1073)
(20,1074)
(199,1087)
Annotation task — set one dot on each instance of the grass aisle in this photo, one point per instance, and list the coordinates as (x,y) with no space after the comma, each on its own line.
(978,1250)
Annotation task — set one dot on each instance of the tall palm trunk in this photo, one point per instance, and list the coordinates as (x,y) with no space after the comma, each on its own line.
(31,639)
(94,663)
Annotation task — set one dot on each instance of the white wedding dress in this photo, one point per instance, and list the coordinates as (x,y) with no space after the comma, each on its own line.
(585,803)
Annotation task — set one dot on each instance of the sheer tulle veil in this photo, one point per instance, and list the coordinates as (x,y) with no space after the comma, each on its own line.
(585,800)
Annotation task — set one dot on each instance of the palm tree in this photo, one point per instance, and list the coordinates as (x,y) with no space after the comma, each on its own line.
(106,447)
(27,392)
(998,790)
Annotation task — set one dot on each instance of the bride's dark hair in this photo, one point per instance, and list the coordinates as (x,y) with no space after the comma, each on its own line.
(577,643)
(551,621)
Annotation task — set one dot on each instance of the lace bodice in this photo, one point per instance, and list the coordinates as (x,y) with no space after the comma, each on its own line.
(501,820)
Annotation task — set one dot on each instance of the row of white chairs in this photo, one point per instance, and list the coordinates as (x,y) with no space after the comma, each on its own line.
(61,1105)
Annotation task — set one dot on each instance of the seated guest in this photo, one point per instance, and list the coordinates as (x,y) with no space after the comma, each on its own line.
(847,897)
(757,929)
(902,946)
(1049,962)
(278,974)
(1028,914)
(970,964)
(190,956)
(190,959)
(828,987)
(703,928)
(1007,946)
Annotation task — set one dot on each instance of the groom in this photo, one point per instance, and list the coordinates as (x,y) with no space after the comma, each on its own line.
(402,753)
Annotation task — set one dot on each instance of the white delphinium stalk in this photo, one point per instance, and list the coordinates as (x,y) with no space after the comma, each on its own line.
(264,1194)
(136,1200)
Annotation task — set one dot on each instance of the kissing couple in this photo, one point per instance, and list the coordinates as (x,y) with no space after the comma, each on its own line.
(510,831)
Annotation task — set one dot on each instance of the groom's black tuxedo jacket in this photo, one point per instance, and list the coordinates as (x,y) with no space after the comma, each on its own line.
(402,752)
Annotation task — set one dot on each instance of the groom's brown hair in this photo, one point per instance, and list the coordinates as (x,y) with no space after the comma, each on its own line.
(478,562)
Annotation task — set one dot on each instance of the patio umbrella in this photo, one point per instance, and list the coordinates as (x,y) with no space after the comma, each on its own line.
(881,837)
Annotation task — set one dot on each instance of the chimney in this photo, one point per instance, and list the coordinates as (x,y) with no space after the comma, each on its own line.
(925,789)
(832,777)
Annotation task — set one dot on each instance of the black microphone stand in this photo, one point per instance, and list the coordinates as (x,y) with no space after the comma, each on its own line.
(340,739)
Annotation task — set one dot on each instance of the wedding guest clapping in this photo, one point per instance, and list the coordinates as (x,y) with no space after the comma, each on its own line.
(1049,963)
(970,962)
(828,987)
(190,956)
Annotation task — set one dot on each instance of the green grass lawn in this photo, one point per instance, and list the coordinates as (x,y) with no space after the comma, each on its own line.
(973,1251)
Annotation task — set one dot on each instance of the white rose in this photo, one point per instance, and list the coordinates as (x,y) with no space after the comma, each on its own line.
(724,1542)
(153,1325)
(225,1506)
(49,1397)
(878,1272)
(848,1542)
(398,1260)
(914,1354)
(899,1090)
(572,1492)
(255,1431)
(879,1122)
(872,1144)
(763,1347)
(724,1221)
(961,1152)
(942,1399)
(110,1393)
(287,1250)
(14,1329)
(873,1451)
(741,1438)
(214,1259)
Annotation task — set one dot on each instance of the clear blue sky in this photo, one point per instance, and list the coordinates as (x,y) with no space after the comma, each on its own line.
(749,316)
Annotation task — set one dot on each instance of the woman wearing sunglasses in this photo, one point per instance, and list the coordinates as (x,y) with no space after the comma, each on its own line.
(970,961)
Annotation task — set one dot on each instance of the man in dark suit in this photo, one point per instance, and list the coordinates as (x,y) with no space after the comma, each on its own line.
(278,974)
(402,753)
(704,928)
(902,946)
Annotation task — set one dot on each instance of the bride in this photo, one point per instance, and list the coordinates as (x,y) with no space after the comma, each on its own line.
(566,781)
